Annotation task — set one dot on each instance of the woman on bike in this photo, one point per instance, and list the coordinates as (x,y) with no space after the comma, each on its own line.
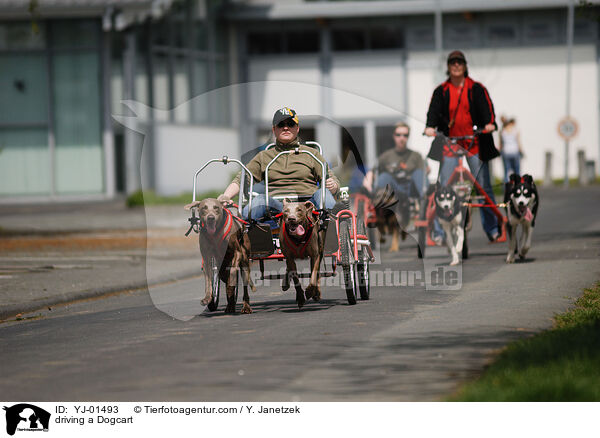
(456,106)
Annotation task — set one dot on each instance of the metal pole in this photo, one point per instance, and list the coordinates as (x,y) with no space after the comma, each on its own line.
(439,73)
(570,19)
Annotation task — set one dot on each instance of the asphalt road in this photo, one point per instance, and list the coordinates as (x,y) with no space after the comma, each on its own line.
(407,343)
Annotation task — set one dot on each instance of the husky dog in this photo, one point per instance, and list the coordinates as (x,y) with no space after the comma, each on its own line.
(449,210)
(521,197)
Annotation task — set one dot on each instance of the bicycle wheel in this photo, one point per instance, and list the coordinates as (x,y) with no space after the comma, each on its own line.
(362,270)
(348,263)
(216,285)
(465,248)
(422,231)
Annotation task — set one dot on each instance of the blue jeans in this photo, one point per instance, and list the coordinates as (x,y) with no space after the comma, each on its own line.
(512,164)
(416,181)
(481,172)
(259,204)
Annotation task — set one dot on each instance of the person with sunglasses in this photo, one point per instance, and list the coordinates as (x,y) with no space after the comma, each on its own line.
(399,167)
(456,106)
(290,175)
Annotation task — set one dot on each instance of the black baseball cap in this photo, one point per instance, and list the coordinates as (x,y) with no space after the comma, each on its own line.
(284,114)
(457,54)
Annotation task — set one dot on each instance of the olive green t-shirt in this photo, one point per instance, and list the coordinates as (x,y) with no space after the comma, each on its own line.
(390,161)
(291,174)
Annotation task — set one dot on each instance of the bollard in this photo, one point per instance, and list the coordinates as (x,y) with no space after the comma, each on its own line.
(583,181)
(548,170)
(590,169)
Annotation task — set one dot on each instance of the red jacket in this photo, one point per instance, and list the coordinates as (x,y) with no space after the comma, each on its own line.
(482,113)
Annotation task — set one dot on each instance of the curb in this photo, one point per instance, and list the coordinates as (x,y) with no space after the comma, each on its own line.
(7,312)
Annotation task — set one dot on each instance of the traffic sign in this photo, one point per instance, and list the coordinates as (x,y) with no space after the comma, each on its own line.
(567,128)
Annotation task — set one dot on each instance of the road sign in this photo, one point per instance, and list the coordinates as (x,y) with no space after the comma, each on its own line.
(567,128)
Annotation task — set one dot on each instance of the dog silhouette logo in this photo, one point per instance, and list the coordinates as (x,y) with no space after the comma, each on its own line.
(26,417)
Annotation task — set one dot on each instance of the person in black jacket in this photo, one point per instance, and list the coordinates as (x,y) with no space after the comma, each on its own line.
(456,106)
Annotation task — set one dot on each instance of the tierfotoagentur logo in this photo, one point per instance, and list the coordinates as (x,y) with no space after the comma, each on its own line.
(26,418)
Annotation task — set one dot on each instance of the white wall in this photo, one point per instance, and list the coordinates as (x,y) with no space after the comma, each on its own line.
(526,83)
(268,96)
(377,77)
(530,85)
(182,150)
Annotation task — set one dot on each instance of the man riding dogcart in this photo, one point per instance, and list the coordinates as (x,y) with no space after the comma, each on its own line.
(296,175)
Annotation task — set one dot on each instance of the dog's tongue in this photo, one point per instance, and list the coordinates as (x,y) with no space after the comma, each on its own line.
(299,230)
(528,216)
(211,228)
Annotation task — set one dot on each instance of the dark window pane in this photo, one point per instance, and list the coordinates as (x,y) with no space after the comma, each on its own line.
(386,37)
(160,33)
(349,39)
(303,42)
(22,35)
(264,43)
(75,33)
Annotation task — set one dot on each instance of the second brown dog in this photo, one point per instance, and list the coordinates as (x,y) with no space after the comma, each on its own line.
(300,238)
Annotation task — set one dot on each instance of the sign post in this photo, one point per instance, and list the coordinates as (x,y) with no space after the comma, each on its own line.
(567,129)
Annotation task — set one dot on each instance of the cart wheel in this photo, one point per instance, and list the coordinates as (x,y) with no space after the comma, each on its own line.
(347,264)
(422,231)
(465,249)
(362,270)
(364,281)
(216,285)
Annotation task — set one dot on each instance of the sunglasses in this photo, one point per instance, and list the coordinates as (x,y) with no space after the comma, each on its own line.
(456,61)
(289,123)
(401,135)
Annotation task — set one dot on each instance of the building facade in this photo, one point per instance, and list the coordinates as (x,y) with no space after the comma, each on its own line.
(109,97)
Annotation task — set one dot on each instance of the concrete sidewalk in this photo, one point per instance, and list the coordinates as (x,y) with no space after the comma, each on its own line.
(56,253)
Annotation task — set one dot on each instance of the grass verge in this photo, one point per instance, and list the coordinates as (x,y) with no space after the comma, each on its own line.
(560,364)
(148,197)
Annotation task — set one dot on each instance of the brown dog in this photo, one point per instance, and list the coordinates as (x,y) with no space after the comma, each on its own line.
(299,237)
(392,213)
(222,237)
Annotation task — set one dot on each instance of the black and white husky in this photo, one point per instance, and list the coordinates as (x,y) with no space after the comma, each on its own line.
(451,215)
(521,197)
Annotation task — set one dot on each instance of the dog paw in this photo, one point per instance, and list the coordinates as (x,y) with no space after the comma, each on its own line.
(310,292)
(230,309)
(285,283)
(510,259)
(454,262)
(317,296)
(246,309)
(205,301)
(300,300)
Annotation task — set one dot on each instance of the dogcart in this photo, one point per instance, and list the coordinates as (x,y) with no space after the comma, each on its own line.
(464,184)
(346,241)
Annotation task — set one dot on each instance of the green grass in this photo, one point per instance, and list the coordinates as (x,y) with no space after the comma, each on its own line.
(560,364)
(148,197)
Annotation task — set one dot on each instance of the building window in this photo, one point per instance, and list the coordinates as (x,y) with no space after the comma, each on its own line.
(344,40)
(303,42)
(420,37)
(264,43)
(541,31)
(501,34)
(386,37)
(189,59)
